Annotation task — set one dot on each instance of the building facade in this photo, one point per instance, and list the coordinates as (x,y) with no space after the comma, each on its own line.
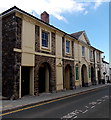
(38,57)
(105,71)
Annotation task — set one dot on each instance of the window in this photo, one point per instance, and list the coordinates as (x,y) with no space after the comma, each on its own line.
(67,46)
(83,51)
(77,74)
(45,39)
(98,57)
(91,54)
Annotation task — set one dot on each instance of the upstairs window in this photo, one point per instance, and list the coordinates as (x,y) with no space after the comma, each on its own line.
(91,54)
(83,51)
(67,46)
(98,57)
(45,39)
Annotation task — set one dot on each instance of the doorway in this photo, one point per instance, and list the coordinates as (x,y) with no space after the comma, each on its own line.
(44,78)
(84,76)
(92,76)
(25,81)
(68,77)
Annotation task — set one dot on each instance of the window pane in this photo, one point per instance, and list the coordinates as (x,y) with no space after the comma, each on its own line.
(67,46)
(45,39)
(83,50)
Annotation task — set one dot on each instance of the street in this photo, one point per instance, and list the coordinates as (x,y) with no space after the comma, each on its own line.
(93,104)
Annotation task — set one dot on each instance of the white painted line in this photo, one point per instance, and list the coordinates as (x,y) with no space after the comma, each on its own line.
(85,111)
(92,103)
(73,113)
(80,111)
(92,106)
(86,106)
(75,117)
(99,102)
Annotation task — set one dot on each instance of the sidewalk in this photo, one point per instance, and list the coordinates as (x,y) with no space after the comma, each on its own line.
(8,105)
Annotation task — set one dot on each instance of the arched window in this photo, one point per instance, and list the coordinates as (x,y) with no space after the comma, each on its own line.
(89,72)
(77,72)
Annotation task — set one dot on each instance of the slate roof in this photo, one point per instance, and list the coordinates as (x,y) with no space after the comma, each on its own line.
(77,34)
(73,35)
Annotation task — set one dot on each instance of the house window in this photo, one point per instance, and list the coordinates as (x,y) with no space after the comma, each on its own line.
(83,51)
(45,39)
(77,74)
(67,46)
(98,57)
(91,54)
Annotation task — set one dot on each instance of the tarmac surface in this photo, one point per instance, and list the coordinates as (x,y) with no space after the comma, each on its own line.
(8,105)
(89,104)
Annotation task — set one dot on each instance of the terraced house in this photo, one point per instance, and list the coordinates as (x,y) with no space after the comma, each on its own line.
(38,57)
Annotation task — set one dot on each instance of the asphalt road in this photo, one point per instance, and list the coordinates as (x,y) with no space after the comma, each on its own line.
(94,104)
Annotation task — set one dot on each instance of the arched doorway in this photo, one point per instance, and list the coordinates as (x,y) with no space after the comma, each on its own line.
(68,78)
(44,78)
(84,76)
(99,76)
(92,76)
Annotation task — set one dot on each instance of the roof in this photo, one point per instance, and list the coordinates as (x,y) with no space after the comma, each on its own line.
(97,49)
(73,35)
(104,62)
(77,34)
(19,10)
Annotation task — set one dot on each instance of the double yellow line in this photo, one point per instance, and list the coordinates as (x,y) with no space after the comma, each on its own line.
(58,99)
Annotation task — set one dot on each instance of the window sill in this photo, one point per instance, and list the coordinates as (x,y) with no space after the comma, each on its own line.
(45,49)
(68,54)
(77,80)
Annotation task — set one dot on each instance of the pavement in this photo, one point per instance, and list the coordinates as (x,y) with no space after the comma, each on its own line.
(9,105)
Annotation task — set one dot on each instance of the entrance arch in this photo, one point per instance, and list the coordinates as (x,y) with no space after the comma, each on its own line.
(44,78)
(92,76)
(84,77)
(68,77)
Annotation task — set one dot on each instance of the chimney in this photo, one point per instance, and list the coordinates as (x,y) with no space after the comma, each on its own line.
(45,17)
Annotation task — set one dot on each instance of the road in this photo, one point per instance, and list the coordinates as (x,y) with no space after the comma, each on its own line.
(93,104)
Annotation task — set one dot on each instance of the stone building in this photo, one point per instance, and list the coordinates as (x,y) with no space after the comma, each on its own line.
(38,57)
(105,71)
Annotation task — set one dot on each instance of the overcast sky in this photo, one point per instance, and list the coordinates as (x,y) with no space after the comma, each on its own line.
(72,16)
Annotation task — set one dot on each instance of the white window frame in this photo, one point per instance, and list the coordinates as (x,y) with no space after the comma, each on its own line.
(98,57)
(91,54)
(68,53)
(82,51)
(43,48)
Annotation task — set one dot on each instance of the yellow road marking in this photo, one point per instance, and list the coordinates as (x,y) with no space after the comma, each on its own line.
(47,102)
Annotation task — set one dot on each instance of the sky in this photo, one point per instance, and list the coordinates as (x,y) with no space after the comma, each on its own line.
(72,16)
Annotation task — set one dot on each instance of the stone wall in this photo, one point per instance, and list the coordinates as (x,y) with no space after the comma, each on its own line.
(71,64)
(37,42)
(11,38)
(39,60)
